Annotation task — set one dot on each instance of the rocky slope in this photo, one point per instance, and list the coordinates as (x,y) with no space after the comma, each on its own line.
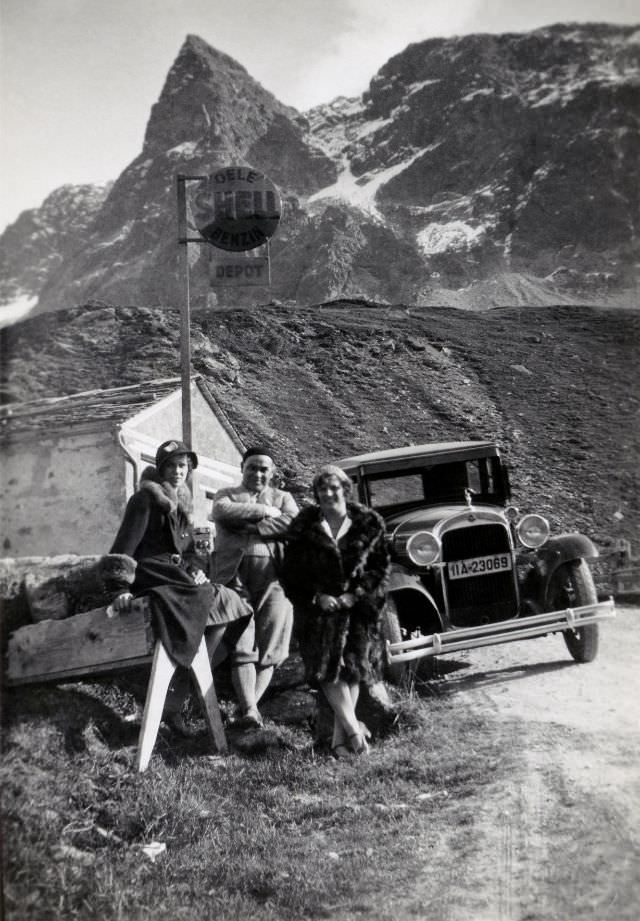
(556,387)
(36,245)
(475,172)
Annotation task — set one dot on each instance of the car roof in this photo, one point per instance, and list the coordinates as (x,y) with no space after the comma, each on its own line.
(404,458)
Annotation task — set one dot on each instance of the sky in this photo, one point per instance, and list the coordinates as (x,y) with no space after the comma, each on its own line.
(78,77)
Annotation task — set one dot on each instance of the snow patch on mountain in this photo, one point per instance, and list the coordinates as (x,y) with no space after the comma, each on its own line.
(553,92)
(361,191)
(370,127)
(416,87)
(17,309)
(185,151)
(484,91)
(117,237)
(143,168)
(455,235)
(333,126)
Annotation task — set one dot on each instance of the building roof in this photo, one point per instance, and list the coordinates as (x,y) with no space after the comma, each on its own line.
(92,410)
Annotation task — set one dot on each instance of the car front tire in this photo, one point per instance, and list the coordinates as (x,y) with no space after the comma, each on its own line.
(394,673)
(402,672)
(573,586)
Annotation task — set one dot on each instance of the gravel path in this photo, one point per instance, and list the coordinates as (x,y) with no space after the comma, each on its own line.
(562,840)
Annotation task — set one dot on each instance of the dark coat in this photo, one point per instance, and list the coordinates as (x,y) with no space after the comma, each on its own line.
(346,644)
(157,532)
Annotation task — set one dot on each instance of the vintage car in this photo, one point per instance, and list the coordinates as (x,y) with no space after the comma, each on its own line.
(468,569)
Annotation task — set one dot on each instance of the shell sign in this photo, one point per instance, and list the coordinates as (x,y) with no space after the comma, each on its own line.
(236,208)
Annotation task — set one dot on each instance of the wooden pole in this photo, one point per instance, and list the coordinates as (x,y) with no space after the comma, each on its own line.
(185,311)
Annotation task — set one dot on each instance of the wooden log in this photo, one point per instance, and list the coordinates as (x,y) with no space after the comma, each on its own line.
(61,586)
(86,644)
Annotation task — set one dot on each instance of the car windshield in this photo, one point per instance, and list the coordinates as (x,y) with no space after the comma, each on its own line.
(437,483)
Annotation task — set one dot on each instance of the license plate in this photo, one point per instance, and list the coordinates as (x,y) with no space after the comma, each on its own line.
(479,566)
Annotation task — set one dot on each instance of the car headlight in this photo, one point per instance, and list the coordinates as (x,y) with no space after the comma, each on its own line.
(533,531)
(423,549)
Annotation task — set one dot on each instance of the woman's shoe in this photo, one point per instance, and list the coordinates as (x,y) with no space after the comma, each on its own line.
(250,719)
(341,751)
(366,732)
(359,744)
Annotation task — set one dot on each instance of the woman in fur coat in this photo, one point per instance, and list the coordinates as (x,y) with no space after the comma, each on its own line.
(334,571)
(157,532)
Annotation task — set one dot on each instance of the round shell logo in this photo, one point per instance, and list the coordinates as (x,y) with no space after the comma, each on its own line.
(236,209)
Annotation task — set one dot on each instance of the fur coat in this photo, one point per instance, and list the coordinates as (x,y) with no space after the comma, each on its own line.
(346,644)
(157,532)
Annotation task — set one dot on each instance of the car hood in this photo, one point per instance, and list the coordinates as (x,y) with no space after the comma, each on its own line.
(426,519)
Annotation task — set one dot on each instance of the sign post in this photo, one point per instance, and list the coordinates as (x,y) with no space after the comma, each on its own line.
(185,314)
(235,209)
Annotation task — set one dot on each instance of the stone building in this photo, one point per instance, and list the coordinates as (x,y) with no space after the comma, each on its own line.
(68,464)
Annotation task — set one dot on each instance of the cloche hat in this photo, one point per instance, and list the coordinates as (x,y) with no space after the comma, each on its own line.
(169,449)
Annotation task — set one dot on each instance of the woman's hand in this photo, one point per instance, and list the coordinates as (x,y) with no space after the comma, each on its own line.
(123,604)
(347,600)
(327,603)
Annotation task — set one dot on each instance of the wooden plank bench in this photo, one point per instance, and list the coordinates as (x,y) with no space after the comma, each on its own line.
(94,643)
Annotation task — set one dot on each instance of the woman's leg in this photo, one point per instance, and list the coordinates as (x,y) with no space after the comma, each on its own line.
(354,690)
(340,697)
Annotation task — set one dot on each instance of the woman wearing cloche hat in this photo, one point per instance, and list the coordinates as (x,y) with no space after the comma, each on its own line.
(157,532)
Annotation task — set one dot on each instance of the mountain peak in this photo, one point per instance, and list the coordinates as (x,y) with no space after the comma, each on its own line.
(207,102)
(194,45)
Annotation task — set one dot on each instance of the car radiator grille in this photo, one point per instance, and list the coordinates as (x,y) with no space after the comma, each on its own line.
(485,598)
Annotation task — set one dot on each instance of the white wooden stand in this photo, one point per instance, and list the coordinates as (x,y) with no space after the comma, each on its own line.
(162,671)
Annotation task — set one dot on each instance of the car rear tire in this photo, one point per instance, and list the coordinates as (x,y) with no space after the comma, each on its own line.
(572,586)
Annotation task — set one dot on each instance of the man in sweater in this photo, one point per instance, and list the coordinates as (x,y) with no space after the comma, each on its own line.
(250,521)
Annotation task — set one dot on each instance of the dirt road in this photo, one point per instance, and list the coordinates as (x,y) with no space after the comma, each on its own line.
(561,841)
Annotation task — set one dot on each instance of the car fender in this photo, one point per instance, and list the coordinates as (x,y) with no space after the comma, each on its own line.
(403,586)
(558,550)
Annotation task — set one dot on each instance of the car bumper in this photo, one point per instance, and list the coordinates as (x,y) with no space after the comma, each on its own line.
(521,628)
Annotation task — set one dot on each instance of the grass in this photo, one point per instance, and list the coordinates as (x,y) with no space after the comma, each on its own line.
(286,834)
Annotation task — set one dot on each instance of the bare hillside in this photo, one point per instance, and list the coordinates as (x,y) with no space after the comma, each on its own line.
(557,387)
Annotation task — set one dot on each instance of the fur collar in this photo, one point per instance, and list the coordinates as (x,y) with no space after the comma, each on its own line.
(166,497)
(364,523)
(360,554)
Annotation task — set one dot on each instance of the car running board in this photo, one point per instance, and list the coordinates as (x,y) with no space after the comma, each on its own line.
(522,628)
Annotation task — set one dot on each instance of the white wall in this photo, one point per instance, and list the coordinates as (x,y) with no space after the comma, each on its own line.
(61,494)
(66,493)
